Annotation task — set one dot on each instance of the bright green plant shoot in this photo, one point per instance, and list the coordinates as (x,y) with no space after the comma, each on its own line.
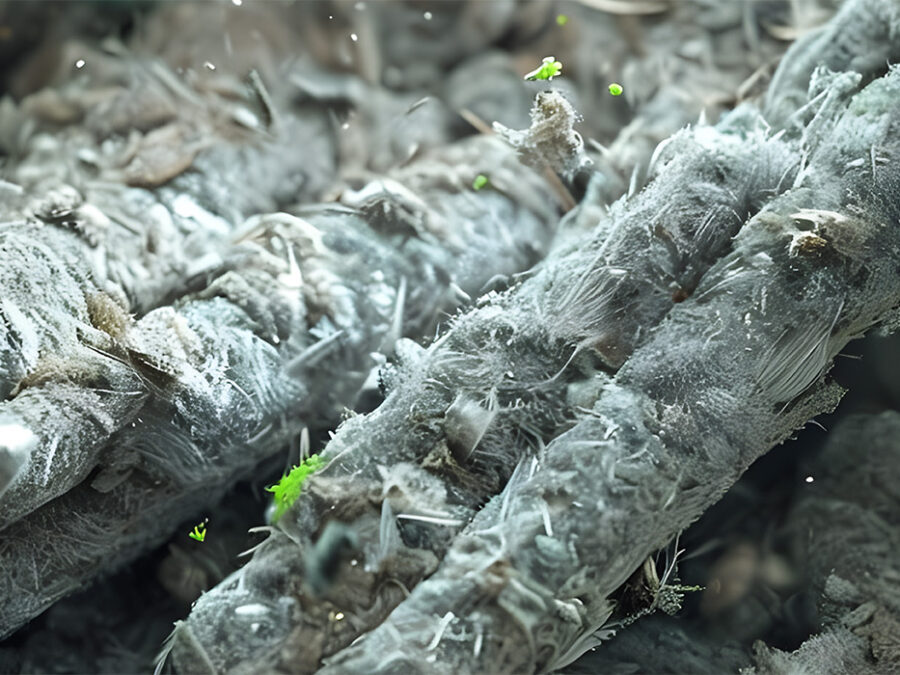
(548,69)
(480,181)
(287,490)
(615,89)
(199,532)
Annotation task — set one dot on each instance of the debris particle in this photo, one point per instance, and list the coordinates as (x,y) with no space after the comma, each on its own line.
(809,479)
(237,3)
(354,37)
(615,89)
(480,181)
(79,64)
(428,16)
(551,140)
(418,104)
(209,65)
(807,244)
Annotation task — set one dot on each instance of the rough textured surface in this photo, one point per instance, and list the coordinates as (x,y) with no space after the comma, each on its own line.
(196,392)
(812,270)
(676,427)
(214,363)
(233,211)
(506,378)
(848,518)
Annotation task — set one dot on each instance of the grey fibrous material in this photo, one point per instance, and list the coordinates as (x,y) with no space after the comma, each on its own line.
(666,92)
(460,416)
(862,38)
(472,419)
(729,372)
(201,386)
(847,522)
(658,446)
(551,140)
(95,248)
(139,244)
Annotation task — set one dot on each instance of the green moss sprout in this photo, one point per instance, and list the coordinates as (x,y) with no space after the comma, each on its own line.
(548,69)
(199,532)
(287,490)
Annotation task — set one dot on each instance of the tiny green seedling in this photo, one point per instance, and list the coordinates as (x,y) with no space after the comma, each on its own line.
(615,89)
(287,490)
(199,532)
(548,69)
(561,19)
(480,181)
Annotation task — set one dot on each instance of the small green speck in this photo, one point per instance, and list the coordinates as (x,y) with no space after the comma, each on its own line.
(199,532)
(548,69)
(287,490)
(480,181)
(615,89)
(561,19)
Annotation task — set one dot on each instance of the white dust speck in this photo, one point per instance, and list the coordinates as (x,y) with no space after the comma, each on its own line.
(354,37)
(253,609)
(809,479)
(428,16)
(79,63)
